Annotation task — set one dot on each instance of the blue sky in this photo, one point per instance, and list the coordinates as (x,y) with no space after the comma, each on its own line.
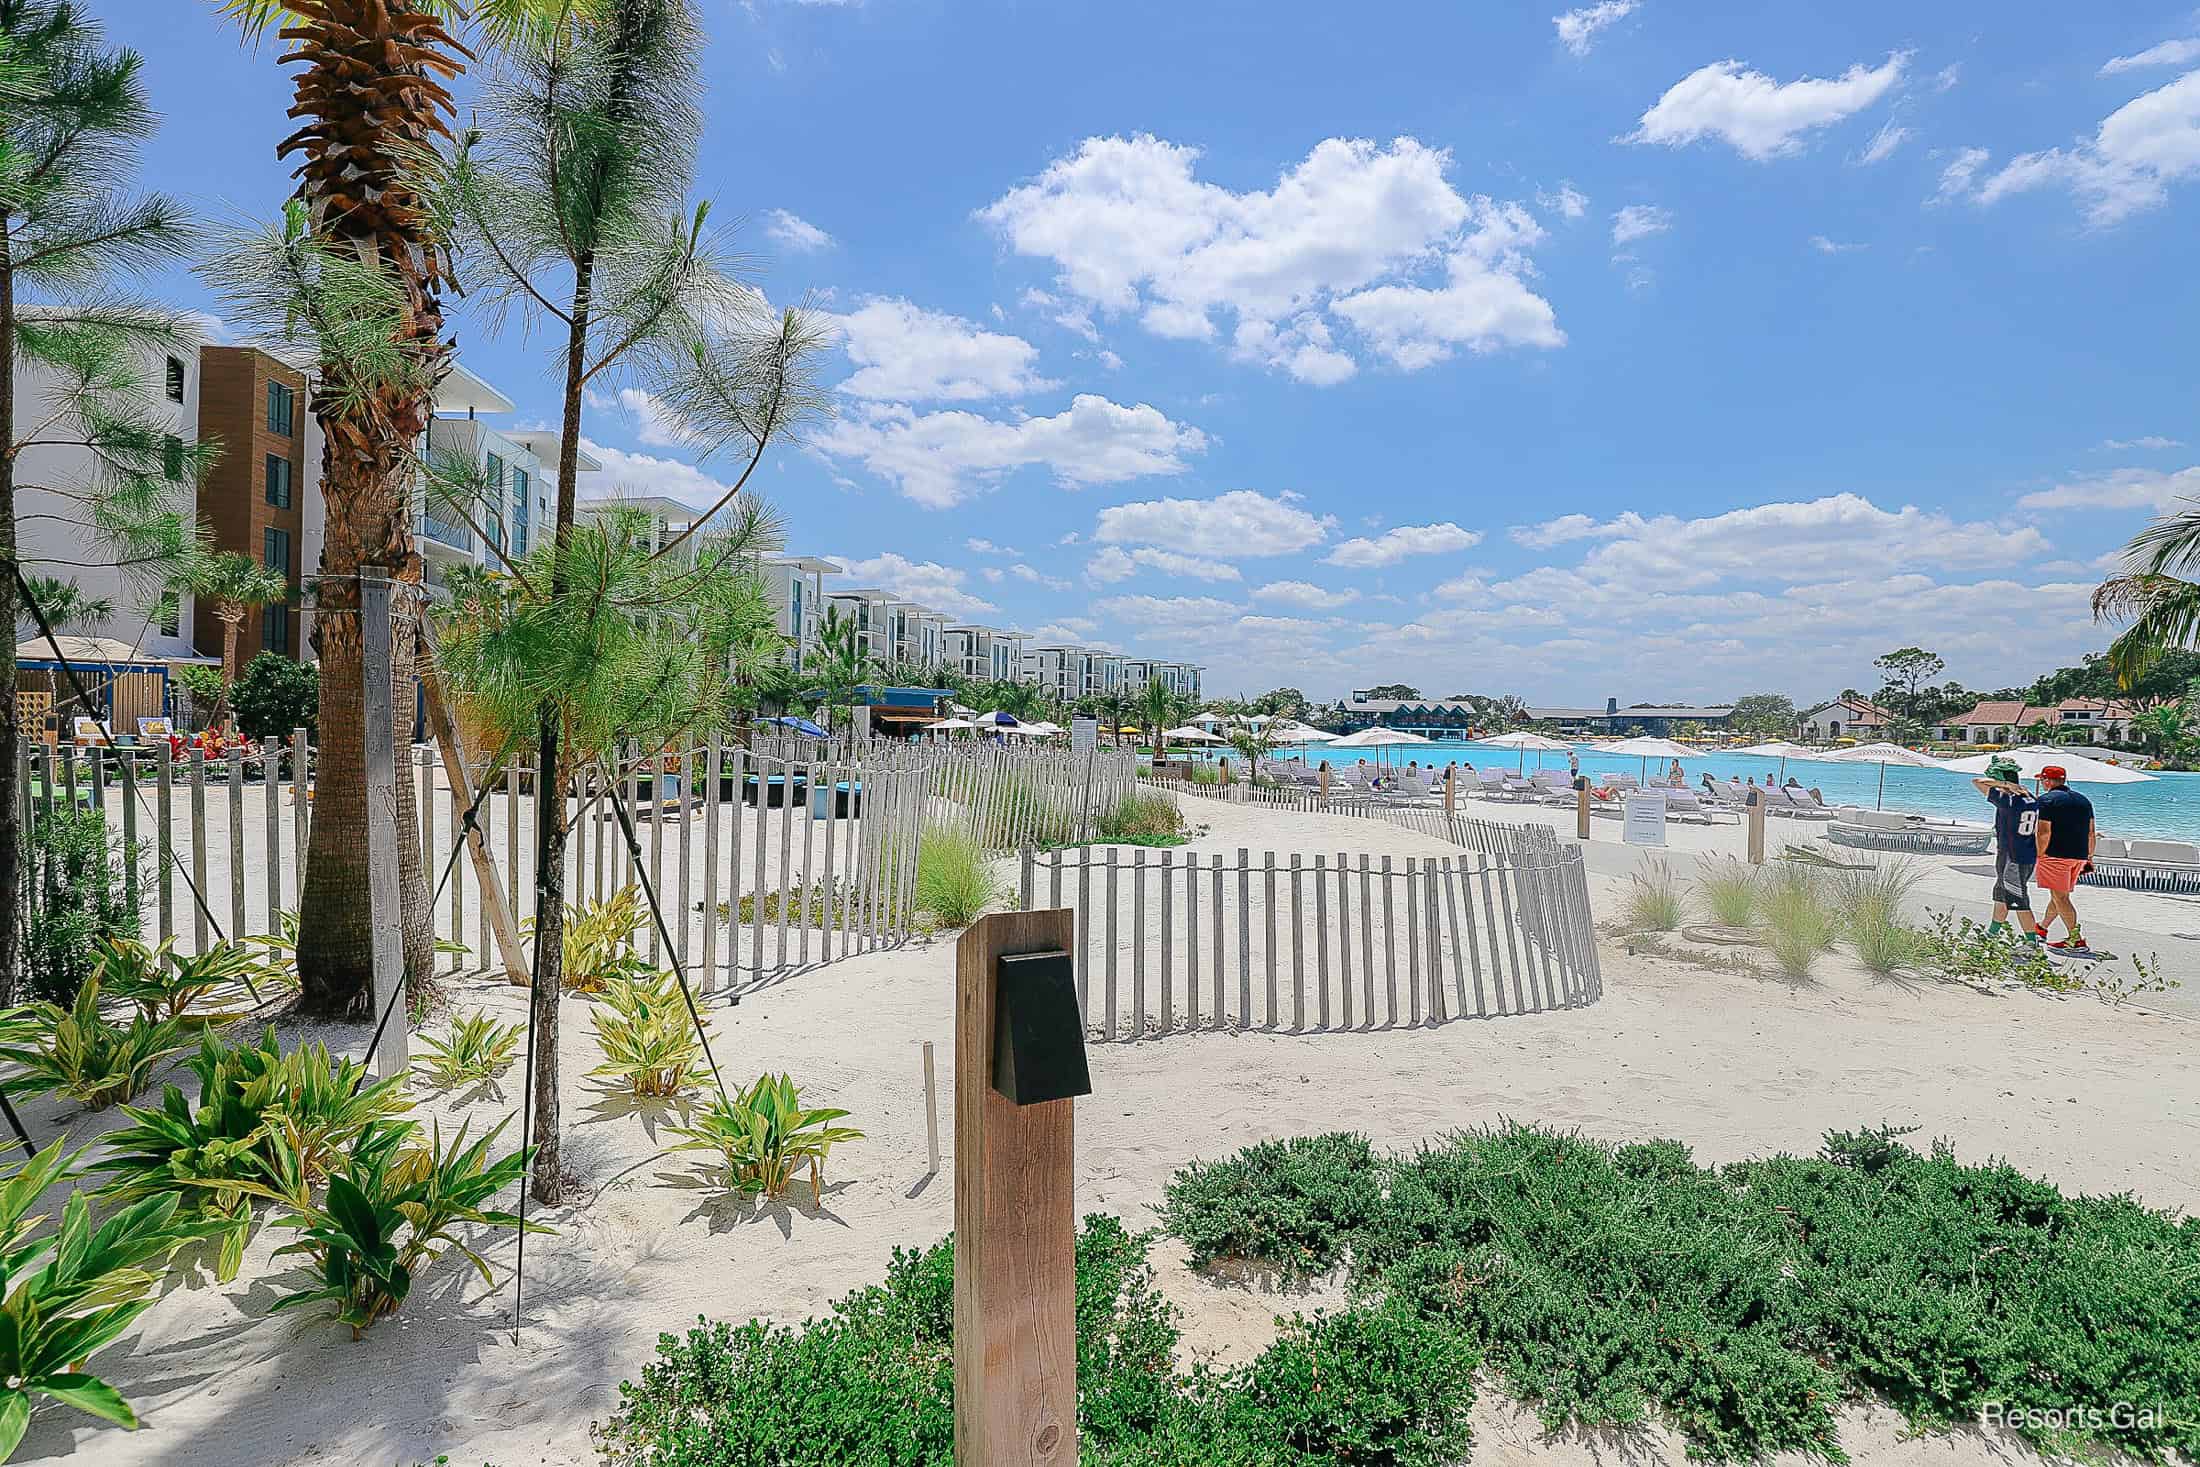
(1644,350)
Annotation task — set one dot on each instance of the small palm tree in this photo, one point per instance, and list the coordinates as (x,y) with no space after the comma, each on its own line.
(65,605)
(1158,707)
(237,585)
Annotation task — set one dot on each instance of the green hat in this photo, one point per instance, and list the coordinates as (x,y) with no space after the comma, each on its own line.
(2003,769)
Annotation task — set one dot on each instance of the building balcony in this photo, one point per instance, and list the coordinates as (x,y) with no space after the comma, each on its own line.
(457,537)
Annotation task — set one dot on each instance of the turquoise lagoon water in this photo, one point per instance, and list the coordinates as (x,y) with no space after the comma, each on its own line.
(2167,808)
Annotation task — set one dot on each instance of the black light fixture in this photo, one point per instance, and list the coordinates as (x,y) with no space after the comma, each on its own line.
(1038,1031)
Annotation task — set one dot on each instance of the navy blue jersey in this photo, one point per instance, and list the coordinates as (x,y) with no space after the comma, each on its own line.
(2069,817)
(2016,823)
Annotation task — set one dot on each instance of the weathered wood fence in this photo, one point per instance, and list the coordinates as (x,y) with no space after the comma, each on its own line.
(1351,942)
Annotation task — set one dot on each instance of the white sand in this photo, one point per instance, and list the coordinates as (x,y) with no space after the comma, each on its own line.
(2095,1098)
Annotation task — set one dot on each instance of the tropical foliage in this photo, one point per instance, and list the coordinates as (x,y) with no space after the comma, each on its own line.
(80,1054)
(651,1038)
(81,891)
(474,1050)
(765,1137)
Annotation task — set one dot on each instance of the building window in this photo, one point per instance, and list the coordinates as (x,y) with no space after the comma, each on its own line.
(795,616)
(519,511)
(275,619)
(175,379)
(278,481)
(171,457)
(282,407)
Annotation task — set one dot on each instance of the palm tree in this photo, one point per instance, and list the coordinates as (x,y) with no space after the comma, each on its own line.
(65,605)
(237,585)
(1159,708)
(372,91)
(71,233)
(2154,595)
(844,663)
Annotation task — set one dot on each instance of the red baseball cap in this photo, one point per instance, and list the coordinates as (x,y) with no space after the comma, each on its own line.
(2053,771)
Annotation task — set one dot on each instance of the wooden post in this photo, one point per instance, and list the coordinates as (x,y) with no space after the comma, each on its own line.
(1581,807)
(455,773)
(1756,828)
(931,1111)
(1451,790)
(1015,1229)
(390,1056)
(1323,776)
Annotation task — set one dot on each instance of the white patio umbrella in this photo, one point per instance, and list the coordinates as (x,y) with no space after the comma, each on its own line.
(1524,741)
(1191,733)
(1301,733)
(1040,730)
(1377,737)
(1648,747)
(948,725)
(1781,750)
(996,719)
(1207,718)
(1883,754)
(2032,758)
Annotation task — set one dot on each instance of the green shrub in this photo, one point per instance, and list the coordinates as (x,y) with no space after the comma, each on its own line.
(80,1053)
(599,942)
(1295,1204)
(873,1381)
(473,1051)
(1610,1286)
(764,1137)
(275,694)
(1653,900)
(163,983)
(955,880)
(1727,890)
(651,1047)
(1144,818)
(1800,921)
(77,876)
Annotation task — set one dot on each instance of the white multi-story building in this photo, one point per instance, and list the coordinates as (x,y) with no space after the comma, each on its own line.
(796,584)
(984,653)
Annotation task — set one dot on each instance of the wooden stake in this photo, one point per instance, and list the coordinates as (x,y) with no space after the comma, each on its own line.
(486,883)
(1015,1229)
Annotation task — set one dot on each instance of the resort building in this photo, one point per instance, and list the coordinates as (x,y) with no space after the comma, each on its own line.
(2009,721)
(1059,669)
(253,499)
(986,654)
(796,585)
(1844,718)
(1431,718)
(867,607)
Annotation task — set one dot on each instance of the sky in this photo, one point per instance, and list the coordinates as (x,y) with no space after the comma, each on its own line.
(1645,350)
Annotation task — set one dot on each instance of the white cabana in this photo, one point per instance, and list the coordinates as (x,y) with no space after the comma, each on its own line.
(2032,758)
(1209,719)
(1882,754)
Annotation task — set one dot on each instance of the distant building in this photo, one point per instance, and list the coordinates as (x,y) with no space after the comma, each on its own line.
(1845,718)
(1431,718)
(1659,720)
(2007,720)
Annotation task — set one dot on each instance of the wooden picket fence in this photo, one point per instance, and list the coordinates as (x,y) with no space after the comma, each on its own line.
(1356,942)
(1008,797)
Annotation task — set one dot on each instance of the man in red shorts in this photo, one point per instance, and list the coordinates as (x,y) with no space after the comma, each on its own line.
(2066,838)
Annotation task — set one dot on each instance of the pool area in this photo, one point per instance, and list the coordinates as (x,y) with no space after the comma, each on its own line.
(2167,808)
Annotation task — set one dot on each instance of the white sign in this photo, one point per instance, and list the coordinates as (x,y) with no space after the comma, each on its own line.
(1644,823)
(1084,735)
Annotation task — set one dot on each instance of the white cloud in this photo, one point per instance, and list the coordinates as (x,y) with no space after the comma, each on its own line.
(2149,489)
(796,233)
(1365,234)
(1759,117)
(1891,135)
(1566,201)
(1577,29)
(940,459)
(2127,165)
(638,475)
(1396,544)
(1169,611)
(1176,563)
(1639,221)
(1826,246)
(1946,78)
(1037,577)
(1241,522)
(926,582)
(904,353)
(1575,527)
(1111,564)
(2164,53)
(2152,442)
(1305,595)
(1109,360)
(978,546)
(1955,179)
(653,423)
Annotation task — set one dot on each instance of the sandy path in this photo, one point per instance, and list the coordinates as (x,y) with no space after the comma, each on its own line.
(2095,1098)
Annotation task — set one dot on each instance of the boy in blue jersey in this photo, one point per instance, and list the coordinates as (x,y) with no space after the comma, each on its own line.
(2016,845)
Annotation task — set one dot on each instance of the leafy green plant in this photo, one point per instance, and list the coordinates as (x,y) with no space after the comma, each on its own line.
(1293,1204)
(1144,818)
(955,880)
(278,952)
(393,1207)
(163,983)
(1653,900)
(599,941)
(765,1136)
(77,879)
(650,1044)
(1871,903)
(275,694)
(820,904)
(68,1293)
(1958,947)
(1371,1384)
(1727,891)
(1800,921)
(79,1053)
(264,1120)
(474,1050)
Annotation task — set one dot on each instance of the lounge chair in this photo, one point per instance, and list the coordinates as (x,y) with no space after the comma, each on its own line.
(2147,865)
(1687,804)
(1886,830)
(1796,804)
